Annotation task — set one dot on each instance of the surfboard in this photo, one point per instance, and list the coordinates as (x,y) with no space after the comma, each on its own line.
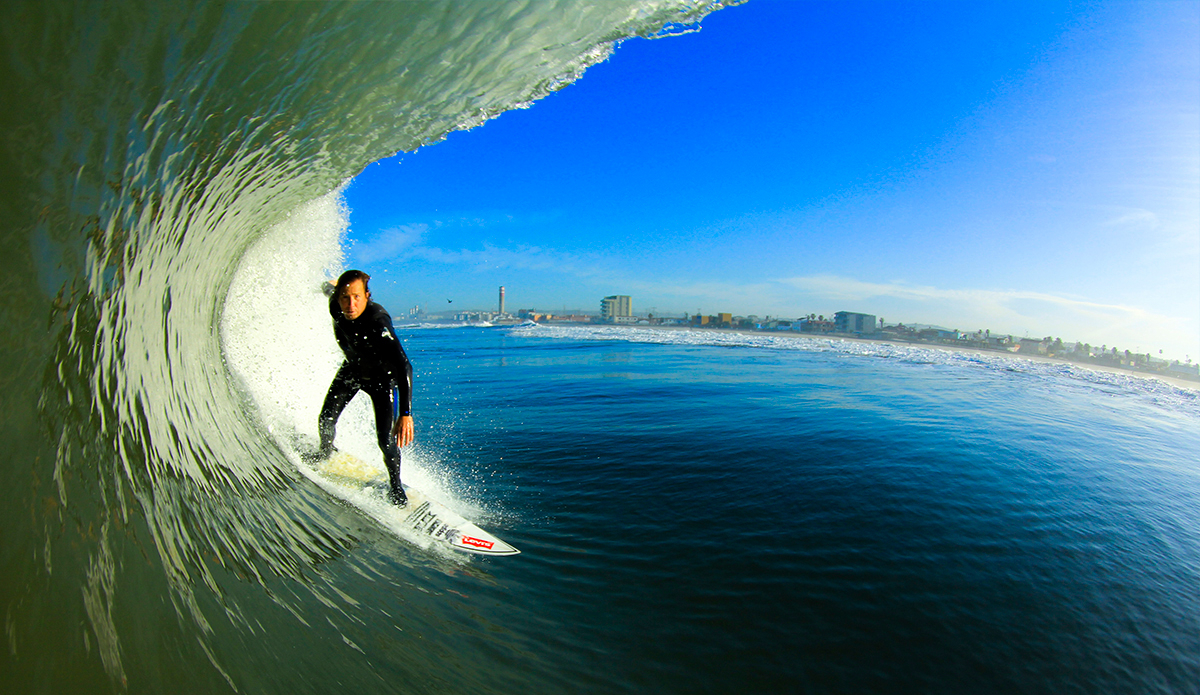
(356,481)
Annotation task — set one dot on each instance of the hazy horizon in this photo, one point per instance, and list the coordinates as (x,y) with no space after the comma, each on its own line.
(1031,170)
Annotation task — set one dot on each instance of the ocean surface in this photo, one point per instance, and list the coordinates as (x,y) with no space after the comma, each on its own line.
(699,512)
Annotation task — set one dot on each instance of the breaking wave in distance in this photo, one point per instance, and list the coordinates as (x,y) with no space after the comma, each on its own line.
(1160,391)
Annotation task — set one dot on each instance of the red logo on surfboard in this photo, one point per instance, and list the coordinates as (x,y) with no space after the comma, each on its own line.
(477,542)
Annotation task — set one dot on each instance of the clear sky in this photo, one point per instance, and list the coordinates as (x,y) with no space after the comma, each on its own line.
(1029,168)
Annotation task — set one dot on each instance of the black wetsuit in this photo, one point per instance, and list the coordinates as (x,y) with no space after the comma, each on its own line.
(375,363)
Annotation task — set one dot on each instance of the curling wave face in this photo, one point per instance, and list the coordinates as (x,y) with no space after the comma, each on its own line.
(147,149)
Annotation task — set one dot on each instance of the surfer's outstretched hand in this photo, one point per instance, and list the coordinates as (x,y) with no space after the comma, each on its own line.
(403,431)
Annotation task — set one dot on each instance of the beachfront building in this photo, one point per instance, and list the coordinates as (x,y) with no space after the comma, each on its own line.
(850,322)
(617,308)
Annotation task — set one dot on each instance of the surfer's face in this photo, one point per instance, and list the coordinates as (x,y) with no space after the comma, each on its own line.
(353,300)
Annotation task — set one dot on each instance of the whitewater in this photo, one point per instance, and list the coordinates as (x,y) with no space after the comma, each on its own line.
(698,512)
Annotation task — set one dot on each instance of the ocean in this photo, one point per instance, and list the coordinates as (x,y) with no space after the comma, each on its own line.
(698,511)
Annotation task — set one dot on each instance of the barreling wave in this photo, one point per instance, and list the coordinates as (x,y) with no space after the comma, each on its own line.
(148,148)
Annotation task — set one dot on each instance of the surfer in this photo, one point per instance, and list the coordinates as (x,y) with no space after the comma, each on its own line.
(376,364)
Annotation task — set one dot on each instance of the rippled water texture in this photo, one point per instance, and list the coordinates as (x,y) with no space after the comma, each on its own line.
(710,512)
(698,512)
(152,523)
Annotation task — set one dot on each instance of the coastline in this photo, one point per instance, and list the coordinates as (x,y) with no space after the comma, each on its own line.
(1174,381)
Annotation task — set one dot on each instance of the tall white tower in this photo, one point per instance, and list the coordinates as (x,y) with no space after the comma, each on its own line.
(501,299)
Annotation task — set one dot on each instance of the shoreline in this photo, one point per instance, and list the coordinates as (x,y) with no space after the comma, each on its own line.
(1174,381)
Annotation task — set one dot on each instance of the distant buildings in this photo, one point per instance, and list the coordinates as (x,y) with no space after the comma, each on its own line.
(1030,346)
(617,308)
(856,324)
(934,334)
(546,317)
(811,325)
(721,320)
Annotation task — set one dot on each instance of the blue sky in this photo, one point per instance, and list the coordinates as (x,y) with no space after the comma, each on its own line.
(1028,168)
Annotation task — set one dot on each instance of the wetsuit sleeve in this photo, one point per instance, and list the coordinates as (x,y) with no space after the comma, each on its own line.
(387,346)
(404,377)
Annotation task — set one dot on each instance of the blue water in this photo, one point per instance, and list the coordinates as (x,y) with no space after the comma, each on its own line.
(697,512)
(749,518)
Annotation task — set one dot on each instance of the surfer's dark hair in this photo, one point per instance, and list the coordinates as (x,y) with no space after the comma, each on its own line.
(350,276)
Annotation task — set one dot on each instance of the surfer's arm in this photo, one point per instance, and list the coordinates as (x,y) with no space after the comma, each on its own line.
(403,430)
(402,375)
(406,380)
(392,354)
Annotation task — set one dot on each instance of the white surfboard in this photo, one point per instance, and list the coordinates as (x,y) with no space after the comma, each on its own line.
(355,481)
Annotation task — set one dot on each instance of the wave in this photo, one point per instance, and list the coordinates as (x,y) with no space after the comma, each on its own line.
(426,326)
(170,201)
(1154,389)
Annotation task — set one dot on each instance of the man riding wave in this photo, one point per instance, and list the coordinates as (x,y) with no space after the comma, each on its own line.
(376,364)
